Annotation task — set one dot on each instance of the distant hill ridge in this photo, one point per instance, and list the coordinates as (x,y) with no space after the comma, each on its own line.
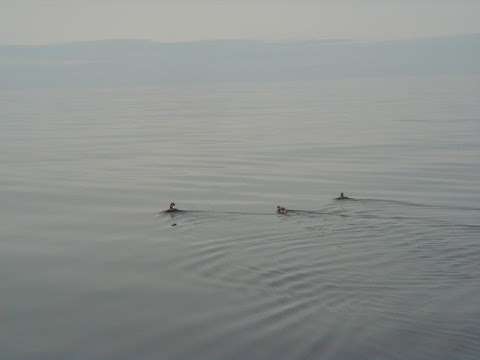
(144,62)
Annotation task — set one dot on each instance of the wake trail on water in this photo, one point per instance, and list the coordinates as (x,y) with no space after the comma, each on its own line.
(419,205)
(350,208)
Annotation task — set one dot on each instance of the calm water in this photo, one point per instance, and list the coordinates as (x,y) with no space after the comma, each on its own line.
(89,270)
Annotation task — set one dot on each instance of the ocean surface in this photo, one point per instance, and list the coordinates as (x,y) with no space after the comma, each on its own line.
(89,269)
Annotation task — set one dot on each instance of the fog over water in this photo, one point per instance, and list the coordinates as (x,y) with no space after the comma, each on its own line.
(90,270)
(53,21)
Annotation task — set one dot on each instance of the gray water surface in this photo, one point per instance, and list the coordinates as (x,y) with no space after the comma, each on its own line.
(90,270)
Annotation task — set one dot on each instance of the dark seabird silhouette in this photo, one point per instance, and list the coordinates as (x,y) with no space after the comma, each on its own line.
(282,210)
(172,208)
(343,197)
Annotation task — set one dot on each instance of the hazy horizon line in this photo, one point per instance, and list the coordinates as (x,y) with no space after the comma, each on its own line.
(265,41)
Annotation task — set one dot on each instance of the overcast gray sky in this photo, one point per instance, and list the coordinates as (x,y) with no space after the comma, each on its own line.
(53,21)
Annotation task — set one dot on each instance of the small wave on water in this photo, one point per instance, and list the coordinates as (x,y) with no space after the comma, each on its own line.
(196,217)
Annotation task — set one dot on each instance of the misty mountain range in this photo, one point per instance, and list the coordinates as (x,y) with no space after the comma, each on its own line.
(140,62)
